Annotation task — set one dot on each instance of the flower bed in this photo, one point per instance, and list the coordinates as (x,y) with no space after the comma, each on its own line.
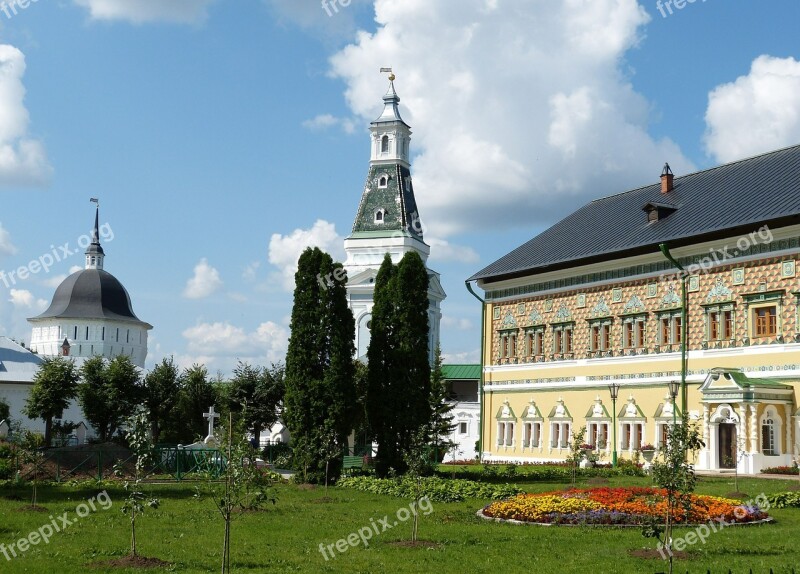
(616,506)
(788,470)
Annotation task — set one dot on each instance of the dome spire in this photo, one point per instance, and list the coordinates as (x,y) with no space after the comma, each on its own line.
(95,253)
(391,113)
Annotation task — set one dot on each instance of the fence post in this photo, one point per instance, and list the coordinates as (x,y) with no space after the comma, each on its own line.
(100,463)
(178,464)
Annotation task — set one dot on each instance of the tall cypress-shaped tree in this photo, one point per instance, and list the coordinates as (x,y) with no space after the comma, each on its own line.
(441,424)
(320,392)
(381,400)
(398,395)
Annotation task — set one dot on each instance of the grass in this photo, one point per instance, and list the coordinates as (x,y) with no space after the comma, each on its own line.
(285,538)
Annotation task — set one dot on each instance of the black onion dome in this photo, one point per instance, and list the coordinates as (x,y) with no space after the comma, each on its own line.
(90,294)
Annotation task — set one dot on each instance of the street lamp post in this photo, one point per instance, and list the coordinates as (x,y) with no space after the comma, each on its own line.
(674,387)
(684,326)
(613,388)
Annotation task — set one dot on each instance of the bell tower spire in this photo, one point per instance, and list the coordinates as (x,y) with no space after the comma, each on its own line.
(391,136)
(387,222)
(95,253)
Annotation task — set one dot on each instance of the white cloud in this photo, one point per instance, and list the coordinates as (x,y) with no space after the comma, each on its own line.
(222,340)
(337,21)
(141,11)
(23,161)
(756,113)
(285,250)
(54,281)
(457,323)
(325,121)
(520,109)
(462,358)
(249,273)
(442,250)
(24,298)
(6,246)
(205,282)
(74,268)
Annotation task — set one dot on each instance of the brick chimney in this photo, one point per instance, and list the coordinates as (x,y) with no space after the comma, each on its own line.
(666,179)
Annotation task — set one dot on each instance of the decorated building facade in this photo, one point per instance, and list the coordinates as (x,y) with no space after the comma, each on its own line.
(594,302)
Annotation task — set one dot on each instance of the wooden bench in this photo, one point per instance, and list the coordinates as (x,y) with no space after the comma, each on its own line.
(353,462)
(356,462)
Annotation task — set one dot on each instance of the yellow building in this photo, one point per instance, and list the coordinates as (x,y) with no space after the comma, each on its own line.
(594,303)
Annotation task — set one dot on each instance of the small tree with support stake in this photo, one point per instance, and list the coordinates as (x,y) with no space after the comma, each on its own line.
(675,475)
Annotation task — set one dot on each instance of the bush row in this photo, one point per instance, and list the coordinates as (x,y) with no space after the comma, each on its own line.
(537,472)
(435,488)
(780,470)
(784,499)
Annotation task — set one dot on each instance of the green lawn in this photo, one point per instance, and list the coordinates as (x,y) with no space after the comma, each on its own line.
(286,537)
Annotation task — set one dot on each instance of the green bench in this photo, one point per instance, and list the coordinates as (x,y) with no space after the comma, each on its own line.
(355,463)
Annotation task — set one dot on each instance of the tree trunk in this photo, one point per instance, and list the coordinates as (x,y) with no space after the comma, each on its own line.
(133,532)
(48,431)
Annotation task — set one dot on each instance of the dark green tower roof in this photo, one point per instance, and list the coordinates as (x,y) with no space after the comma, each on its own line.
(388,204)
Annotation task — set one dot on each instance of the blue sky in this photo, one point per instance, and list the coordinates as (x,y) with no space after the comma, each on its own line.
(223,136)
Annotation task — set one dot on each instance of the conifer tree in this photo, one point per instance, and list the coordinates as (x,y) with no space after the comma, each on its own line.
(320,399)
(398,395)
(441,423)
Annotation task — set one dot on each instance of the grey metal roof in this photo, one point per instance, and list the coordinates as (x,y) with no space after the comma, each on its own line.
(734,198)
(90,294)
(17,364)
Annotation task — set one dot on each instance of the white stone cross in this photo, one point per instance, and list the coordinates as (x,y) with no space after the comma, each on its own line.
(210,415)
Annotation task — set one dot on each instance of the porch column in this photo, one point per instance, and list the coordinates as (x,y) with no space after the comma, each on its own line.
(787,409)
(705,454)
(741,431)
(746,458)
(753,429)
(713,450)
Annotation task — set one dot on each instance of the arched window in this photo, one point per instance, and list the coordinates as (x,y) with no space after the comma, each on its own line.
(380,215)
(383,181)
(385,144)
(769,446)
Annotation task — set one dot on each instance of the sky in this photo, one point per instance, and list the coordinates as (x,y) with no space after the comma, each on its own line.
(222,137)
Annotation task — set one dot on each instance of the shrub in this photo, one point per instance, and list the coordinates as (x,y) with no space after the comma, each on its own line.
(6,451)
(436,489)
(6,469)
(784,499)
(780,470)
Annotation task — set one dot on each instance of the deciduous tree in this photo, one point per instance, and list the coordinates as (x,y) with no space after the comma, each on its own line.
(108,393)
(54,386)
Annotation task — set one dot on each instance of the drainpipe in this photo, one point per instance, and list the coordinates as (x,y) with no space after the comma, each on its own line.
(684,331)
(480,381)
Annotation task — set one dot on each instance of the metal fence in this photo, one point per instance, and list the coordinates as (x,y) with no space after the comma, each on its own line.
(98,462)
